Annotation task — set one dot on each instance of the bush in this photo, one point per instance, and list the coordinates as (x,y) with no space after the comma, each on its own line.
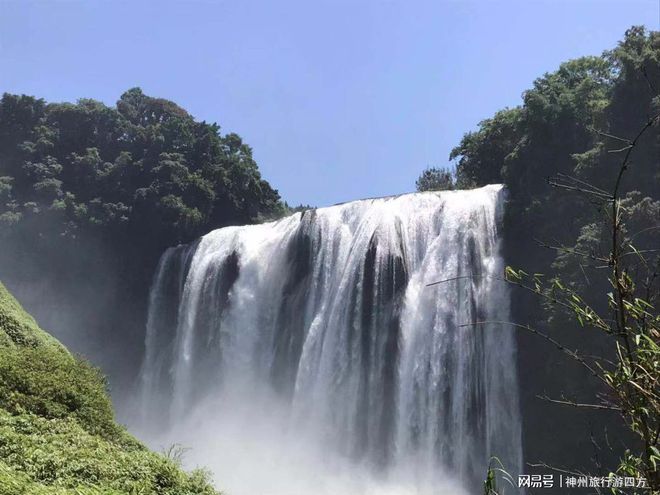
(53,384)
(58,456)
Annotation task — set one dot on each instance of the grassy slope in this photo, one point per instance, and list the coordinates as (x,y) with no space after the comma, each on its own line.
(57,430)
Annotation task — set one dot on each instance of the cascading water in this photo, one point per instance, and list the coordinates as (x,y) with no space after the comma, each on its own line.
(309,355)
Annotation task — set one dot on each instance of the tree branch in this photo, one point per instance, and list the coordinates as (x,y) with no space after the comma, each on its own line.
(578,404)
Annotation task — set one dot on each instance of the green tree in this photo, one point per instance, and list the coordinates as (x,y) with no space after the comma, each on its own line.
(435,179)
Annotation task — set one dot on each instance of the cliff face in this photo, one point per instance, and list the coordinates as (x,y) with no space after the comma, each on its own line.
(57,429)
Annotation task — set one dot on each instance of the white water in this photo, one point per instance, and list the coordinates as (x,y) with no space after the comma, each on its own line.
(308,355)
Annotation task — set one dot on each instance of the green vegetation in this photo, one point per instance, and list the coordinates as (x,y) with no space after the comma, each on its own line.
(565,127)
(57,432)
(496,471)
(584,206)
(17,328)
(435,179)
(145,167)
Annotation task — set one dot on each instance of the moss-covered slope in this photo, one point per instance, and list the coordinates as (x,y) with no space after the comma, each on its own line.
(18,328)
(57,430)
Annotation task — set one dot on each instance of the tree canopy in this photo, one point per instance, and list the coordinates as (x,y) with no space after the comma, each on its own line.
(435,179)
(145,166)
(573,122)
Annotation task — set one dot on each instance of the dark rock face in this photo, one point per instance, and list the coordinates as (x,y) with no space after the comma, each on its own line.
(574,439)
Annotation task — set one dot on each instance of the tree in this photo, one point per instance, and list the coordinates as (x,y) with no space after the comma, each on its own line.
(435,179)
(483,153)
(99,155)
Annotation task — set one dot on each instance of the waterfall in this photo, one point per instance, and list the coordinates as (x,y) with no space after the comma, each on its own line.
(314,347)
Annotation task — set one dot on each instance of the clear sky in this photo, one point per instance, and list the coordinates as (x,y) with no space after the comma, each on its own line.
(339,100)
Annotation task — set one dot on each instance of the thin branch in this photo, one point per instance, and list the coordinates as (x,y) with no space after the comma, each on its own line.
(579,181)
(621,150)
(453,279)
(655,227)
(578,404)
(611,136)
(633,143)
(554,342)
(649,82)
(586,278)
(554,468)
(568,187)
(541,294)
(569,250)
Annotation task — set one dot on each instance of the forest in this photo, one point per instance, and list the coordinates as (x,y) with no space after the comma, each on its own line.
(91,195)
(564,133)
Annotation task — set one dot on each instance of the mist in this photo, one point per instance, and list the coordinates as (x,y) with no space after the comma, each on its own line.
(250,443)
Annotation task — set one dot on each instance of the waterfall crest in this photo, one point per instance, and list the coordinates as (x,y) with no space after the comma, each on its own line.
(321,329)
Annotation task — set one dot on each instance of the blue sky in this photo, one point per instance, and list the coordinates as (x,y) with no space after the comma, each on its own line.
(339,100)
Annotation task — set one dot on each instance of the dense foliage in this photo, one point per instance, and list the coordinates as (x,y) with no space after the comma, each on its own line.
(562,128)
(57,432)
(145,167)
(571,132)
(435,179)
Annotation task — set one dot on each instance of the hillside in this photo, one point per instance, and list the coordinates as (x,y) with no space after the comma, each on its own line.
(57,430)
